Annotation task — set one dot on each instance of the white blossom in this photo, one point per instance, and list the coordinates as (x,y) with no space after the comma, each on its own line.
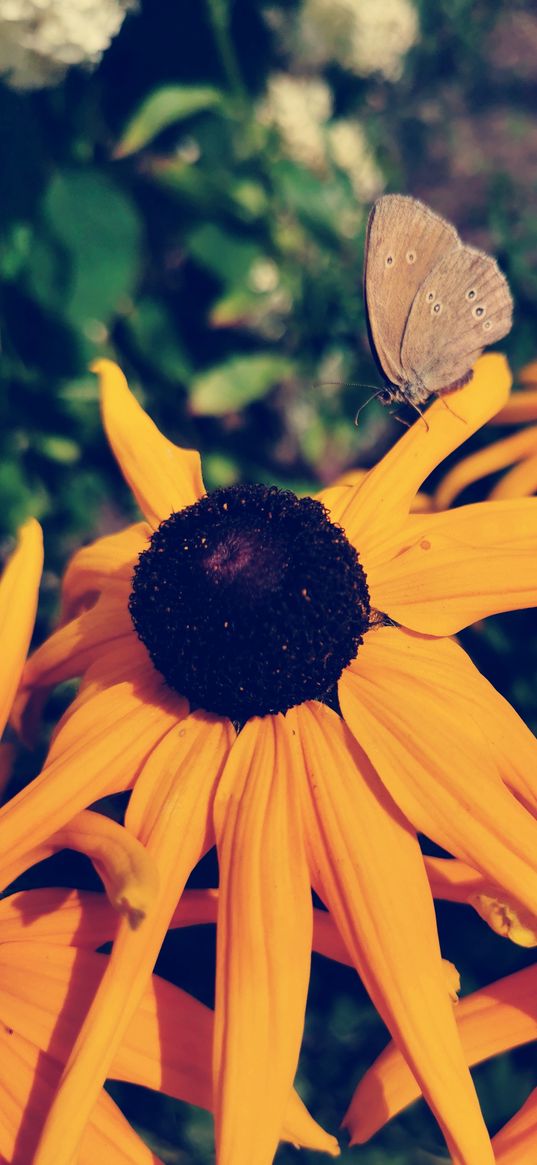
(364,36)
(350,151)
(40,39)
(299,107)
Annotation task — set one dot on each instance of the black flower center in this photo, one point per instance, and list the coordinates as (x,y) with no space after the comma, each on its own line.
(250,601)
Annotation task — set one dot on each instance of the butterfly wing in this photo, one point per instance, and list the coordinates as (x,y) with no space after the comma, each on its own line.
(405,241)
(463,305)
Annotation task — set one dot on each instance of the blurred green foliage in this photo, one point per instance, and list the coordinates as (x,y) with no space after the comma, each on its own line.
(170,210)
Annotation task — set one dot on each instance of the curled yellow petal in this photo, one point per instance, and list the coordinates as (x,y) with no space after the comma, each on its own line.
(163,477)
(126,870)
(507,919)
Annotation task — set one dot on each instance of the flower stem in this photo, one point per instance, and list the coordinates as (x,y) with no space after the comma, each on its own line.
(219,17)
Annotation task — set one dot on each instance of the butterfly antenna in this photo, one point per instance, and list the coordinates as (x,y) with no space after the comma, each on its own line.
(380,392)
(419,412)
(452,411)
(400,420)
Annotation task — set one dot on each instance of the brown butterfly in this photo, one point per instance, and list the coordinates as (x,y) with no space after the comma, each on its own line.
(432,302)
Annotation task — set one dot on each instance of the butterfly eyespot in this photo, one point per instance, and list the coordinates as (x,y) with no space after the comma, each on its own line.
(478,312)
(487,325)
(471,294)
(436,308)
(430,296)
(411,256)
(389,260)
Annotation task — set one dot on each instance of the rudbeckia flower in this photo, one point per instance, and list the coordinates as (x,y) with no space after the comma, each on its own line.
(517,454)
(49,971)
(251,609)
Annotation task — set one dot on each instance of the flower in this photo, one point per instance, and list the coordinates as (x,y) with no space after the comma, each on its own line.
(360,35)
(49,971)
(518,450)
(351,151)
(300,795)
(299,107)
(301,110)
(40,39)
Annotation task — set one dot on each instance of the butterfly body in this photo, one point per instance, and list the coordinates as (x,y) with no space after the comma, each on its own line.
(433,303)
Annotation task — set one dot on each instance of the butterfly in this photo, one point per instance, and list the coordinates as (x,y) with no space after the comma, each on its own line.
(432,302)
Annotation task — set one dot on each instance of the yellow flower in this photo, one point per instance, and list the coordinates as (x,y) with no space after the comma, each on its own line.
(49,971)
(518,451)
(301,795)
(490,1021)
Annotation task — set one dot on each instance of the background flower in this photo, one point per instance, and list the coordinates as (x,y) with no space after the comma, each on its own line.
(40,41)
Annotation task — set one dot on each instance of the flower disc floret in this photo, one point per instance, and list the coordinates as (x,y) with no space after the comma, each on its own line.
(250,601)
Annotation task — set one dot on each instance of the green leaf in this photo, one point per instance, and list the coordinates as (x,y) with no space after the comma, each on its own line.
(57,448)
(161,109)
(227,256)
(154,334)
(239,381)
(98,231)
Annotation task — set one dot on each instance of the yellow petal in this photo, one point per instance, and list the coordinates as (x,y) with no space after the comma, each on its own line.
(454,881)
(163,477)
(124,867)
(69,651)
(263,941)
(500,1016)
(413,707)
(446,571)
(19,588)
(507,919)
(169,813)
(28,1078)
(368,868)
(167,1045)
(520,482)
(92,568)
(55,915)
(527,377)
(488,460)
(516,1143)
(99,750)
(522,406)
(374,510)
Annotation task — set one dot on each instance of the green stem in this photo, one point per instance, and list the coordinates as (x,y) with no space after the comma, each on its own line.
(218,13)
